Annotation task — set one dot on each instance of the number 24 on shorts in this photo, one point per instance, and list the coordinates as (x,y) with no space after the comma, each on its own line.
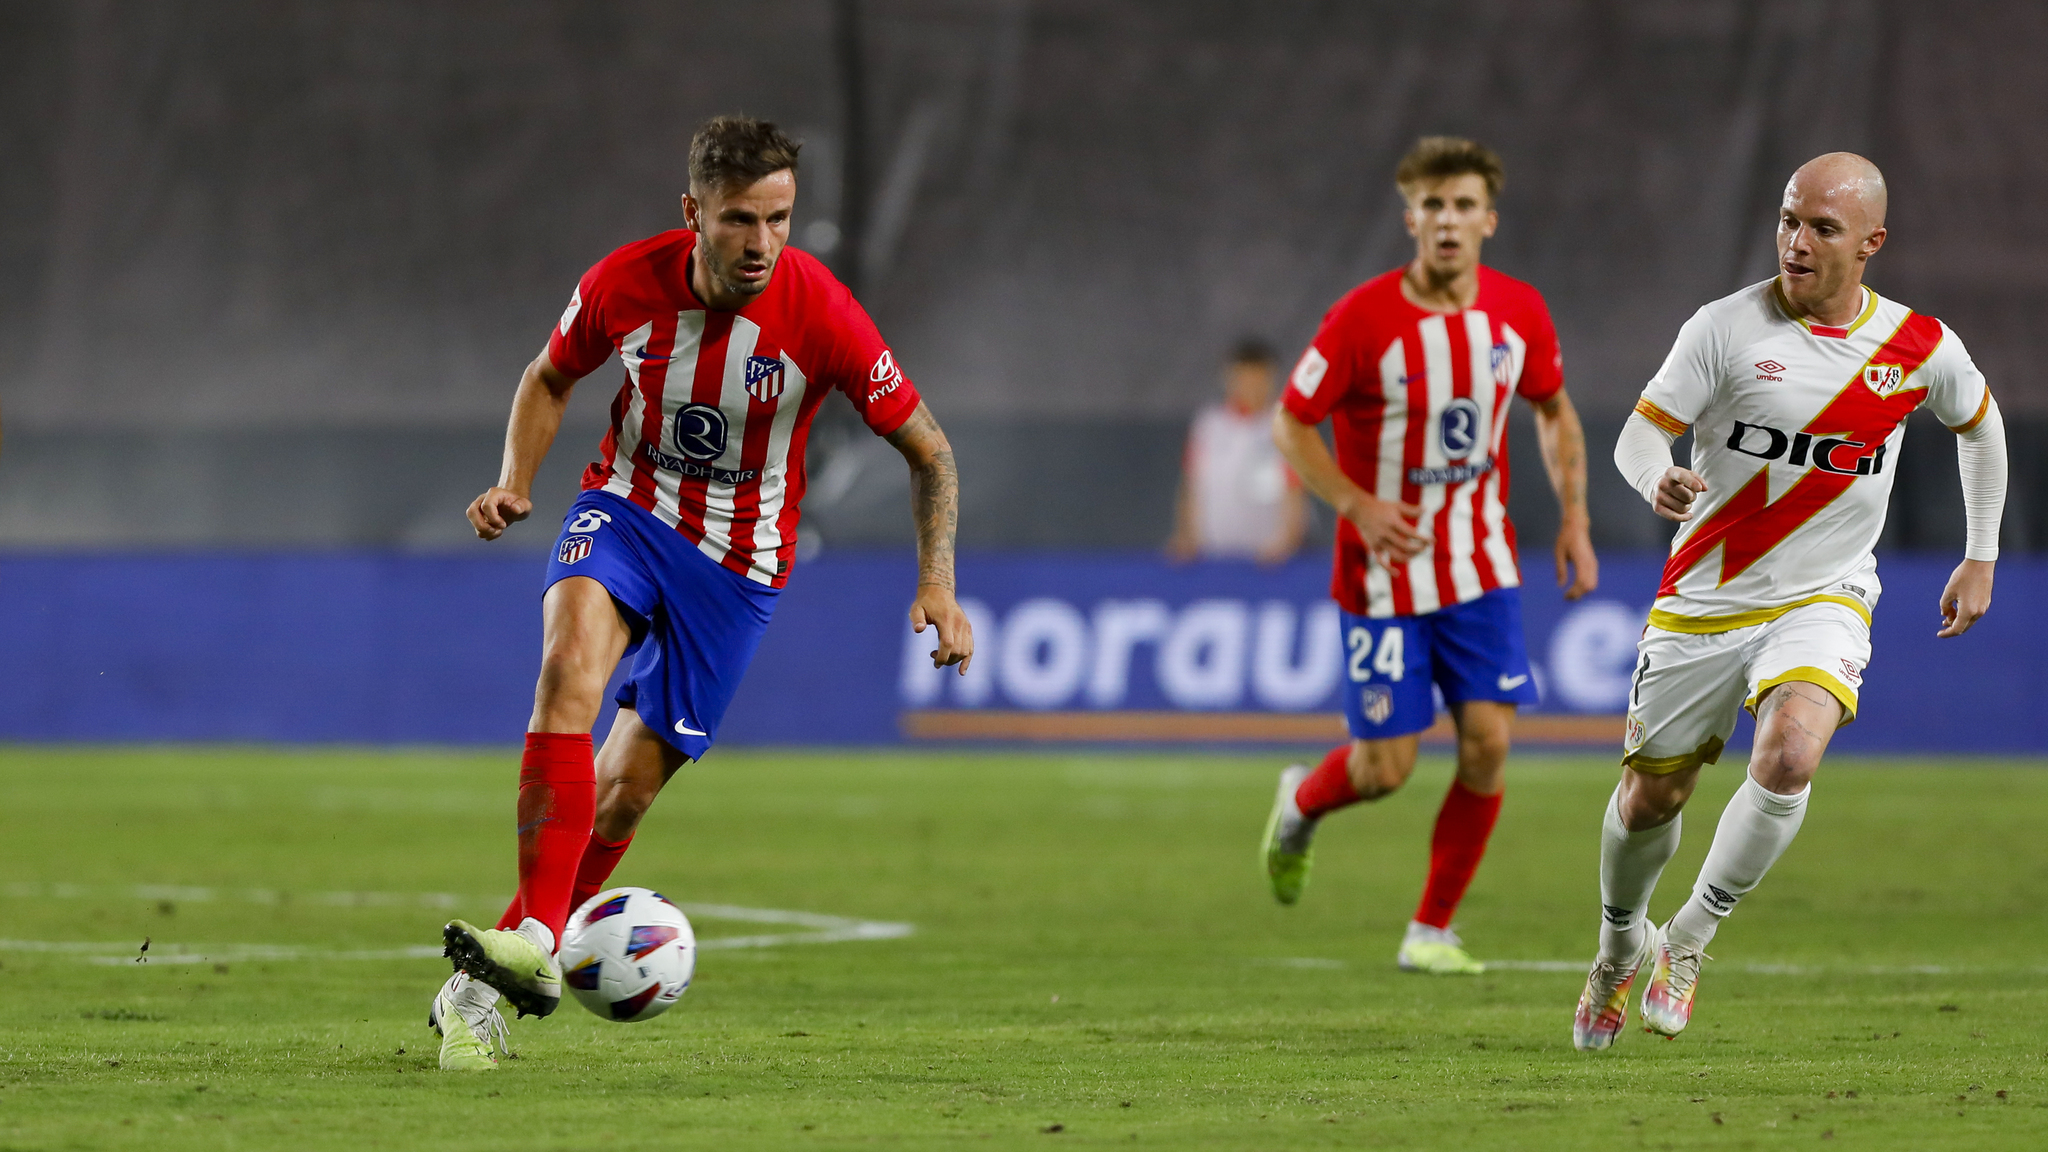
(1385,658)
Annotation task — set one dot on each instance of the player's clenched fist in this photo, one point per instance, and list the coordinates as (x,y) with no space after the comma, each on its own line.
(936,607)
(496,510)
(1966,598)
(1389,528)
(1676,492)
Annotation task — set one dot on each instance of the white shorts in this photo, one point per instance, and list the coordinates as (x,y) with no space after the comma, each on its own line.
(1682,704)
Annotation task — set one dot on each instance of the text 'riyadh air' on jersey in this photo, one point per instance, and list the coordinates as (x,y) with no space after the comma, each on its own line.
(708,430)
(1796,430)
(1418,402)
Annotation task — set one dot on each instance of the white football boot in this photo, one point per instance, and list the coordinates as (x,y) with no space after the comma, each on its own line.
(465,1013)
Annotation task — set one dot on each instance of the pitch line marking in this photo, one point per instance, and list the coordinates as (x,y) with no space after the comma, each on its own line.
(190,894)
(817,927)
(1754,968)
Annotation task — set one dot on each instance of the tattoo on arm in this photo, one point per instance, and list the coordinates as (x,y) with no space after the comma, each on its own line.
(1563,441)
(934,495)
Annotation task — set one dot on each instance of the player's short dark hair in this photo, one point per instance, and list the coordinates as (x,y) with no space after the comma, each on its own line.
(734,151)
(1253,350)
(1435,157)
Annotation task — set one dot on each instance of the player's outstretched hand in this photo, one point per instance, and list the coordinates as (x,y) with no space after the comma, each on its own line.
(1676,492)
(936,607)
(496,510)
(1578,570)
(1966,597)
(1389,528)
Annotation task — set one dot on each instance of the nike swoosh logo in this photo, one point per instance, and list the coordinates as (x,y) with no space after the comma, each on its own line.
(683,729)
(1510,683)
(644,354)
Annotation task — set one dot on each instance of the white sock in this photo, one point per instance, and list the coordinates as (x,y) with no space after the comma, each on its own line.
(475,991)
(1420,933)
(1630,863)
(1756,828)
(542,936)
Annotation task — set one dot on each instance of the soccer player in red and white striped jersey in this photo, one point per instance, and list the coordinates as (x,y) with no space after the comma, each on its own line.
(1415,369)
(683,536)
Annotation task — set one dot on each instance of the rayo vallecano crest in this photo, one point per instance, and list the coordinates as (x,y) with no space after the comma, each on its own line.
(1884,379)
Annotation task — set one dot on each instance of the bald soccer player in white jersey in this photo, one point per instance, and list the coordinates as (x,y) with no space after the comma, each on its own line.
(1796,391)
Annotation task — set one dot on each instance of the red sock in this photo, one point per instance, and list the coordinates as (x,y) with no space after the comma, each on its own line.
(1462,827)
(1328,788)
(557,801)
(599,858)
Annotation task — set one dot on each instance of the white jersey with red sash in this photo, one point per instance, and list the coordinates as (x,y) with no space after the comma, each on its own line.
(1796,430)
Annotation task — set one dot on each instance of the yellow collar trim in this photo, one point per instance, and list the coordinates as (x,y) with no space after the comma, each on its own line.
(1870,301)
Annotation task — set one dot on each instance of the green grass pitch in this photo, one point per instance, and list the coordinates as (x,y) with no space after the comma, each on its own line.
(1095,962)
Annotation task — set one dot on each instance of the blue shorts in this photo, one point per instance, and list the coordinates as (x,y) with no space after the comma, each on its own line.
(1473,651)
(695,624)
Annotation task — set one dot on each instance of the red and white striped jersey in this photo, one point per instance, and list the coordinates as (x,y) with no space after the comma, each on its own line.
(708,430)
(1419,405)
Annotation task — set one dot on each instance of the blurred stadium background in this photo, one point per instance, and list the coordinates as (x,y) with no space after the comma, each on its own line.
(269,271)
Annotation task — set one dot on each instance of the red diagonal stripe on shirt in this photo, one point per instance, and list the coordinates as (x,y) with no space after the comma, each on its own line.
(1750,524)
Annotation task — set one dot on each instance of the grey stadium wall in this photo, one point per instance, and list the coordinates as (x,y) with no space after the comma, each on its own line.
(268,270)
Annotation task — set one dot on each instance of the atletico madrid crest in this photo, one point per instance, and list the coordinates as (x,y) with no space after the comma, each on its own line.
(764,377)
(1378,702)
(574,548)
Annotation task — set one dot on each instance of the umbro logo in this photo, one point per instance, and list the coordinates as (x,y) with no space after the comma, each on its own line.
(1769,370)
(1720,897)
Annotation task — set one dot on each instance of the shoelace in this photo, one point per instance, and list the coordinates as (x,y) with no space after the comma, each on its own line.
(1606,976)
(1685,971)
(485,1022)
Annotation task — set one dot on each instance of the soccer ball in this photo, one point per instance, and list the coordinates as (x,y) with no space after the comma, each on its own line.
(627,954)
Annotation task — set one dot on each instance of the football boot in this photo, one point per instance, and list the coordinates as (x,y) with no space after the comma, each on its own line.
(1674,977)
(1285,848)
(465,1013)
(1603,1006)
(1436,951)
(509,961)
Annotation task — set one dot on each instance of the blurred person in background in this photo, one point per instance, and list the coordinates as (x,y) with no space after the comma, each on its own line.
(1416,369)
(1238,497)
